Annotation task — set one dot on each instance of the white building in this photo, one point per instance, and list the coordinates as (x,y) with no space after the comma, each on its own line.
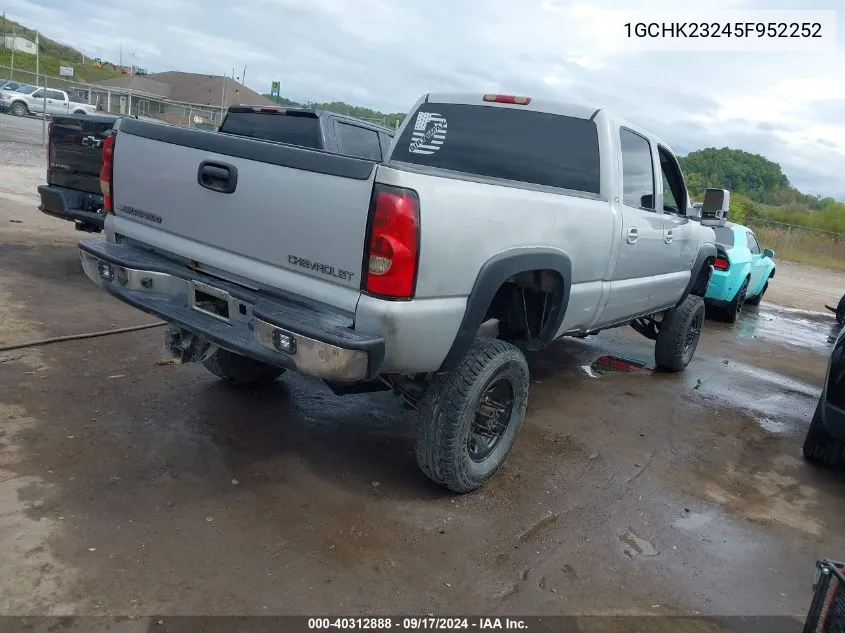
(20,44)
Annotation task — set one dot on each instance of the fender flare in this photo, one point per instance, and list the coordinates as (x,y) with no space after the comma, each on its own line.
(492,275)
(700,272)
(764,279)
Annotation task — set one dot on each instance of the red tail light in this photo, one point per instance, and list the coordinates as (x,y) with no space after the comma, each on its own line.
(721,264)
(390,267)
(106,173)
(507,99)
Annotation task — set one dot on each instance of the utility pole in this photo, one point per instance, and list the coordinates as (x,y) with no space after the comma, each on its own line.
(243,76)
(37,58)
(120,55)
(223,96)
(14,43)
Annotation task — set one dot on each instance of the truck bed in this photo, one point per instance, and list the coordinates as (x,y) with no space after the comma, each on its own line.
(240,208)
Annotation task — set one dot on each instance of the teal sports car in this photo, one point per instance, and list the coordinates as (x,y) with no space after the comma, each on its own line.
(741,272)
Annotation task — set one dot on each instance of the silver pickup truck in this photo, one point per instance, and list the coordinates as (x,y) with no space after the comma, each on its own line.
(495,224)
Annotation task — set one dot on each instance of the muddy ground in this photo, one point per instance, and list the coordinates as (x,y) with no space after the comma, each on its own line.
(132,486)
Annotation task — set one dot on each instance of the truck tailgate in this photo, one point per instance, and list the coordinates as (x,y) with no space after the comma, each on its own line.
(75,154)
(283,216)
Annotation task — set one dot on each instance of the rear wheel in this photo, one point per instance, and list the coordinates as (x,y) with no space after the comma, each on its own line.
(735,307)
(470,416)
(679,334)
(819,445)
(19,109)
(240,370)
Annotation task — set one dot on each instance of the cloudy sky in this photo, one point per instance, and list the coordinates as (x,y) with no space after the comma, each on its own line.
(787,106)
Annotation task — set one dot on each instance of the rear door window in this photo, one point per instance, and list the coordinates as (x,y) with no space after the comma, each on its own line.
(503,143)
(637,171)
(358,141)
(55,94)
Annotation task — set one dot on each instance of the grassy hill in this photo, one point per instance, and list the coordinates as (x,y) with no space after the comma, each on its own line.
(799,227)
(53,54)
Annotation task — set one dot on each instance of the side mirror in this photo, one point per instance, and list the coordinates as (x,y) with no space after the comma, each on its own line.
(694,211)
(769,253)
(714,210)
(647,201)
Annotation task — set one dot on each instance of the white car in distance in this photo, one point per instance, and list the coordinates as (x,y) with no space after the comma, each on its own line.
(34,100)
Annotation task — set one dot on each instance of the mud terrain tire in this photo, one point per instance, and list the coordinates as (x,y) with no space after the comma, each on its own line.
(679,334)
(470,416)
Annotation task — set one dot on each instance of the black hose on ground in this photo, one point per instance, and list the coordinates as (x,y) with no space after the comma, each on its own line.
(77,337)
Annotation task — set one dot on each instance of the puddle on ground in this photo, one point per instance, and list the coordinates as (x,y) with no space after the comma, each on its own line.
(777,403)
(776,427)
(636,546)
(607,364)
(692,521)
(800,329)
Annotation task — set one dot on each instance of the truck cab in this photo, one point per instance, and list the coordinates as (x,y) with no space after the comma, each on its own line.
(311,128)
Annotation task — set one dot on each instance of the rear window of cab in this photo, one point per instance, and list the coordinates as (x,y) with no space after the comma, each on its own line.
(504,143)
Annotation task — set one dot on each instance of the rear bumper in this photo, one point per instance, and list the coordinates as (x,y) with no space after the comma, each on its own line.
(73,205)
(721,289)
(324,344)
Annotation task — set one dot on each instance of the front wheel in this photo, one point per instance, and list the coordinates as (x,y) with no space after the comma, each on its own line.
(470,416)
(679,334)
(19,109)
(840,311)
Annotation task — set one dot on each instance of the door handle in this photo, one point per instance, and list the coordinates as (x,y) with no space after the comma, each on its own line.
(668,236)
(633,235)
(219,177)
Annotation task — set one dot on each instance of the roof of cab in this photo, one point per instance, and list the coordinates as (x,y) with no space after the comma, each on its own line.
(564,108)
(550,106)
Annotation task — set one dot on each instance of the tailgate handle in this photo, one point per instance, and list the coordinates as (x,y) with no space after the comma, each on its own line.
(220,177)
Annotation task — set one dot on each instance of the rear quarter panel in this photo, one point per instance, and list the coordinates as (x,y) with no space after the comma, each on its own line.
(724,285)
(464,224)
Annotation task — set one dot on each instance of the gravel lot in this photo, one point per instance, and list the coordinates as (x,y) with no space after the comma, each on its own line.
(133,486)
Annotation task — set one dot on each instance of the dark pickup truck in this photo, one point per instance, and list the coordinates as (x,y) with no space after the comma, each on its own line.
(825,439)
(74,150)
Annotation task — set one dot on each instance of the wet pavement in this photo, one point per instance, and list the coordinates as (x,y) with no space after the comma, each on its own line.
(131,485)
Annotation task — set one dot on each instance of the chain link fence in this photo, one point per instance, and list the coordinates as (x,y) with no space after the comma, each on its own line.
(122,101)
(801,244)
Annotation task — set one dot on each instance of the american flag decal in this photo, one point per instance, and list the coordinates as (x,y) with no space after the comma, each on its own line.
(429,133)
